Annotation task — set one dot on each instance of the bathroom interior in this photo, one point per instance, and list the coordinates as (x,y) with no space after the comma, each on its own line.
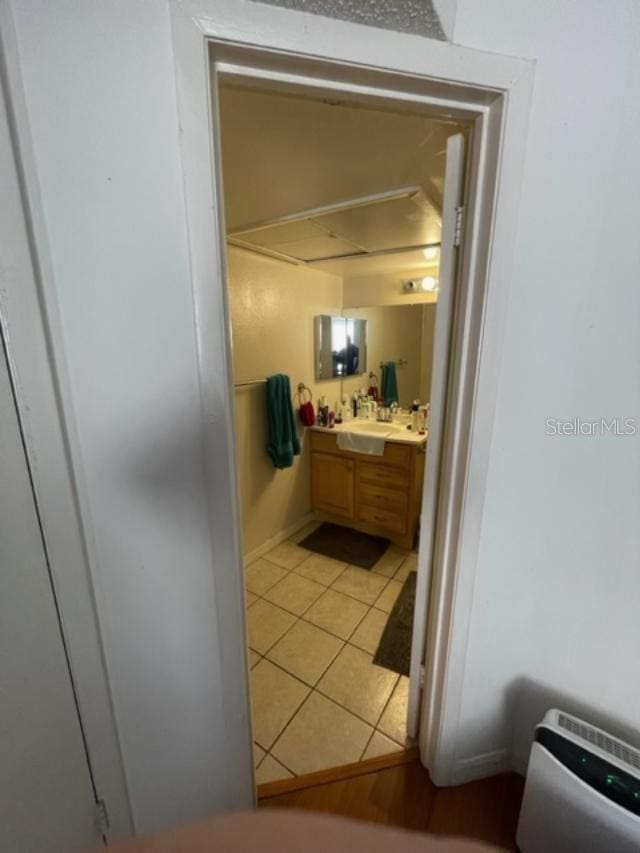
(333,220)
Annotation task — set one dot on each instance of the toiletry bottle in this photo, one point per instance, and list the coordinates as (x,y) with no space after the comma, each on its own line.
(422,420)
(415,416)
(345,409)
(322,411)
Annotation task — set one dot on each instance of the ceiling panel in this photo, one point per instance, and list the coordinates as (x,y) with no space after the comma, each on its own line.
(399,220)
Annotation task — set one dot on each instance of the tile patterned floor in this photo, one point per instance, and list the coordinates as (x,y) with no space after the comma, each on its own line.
(318,700)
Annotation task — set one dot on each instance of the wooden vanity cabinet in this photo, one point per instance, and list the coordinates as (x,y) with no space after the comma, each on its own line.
(377,494)
(333,484)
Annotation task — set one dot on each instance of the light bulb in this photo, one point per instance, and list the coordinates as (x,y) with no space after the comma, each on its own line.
(430,284)
(431,253)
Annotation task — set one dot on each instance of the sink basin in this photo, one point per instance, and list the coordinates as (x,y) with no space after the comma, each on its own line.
(375,427)
(370,427)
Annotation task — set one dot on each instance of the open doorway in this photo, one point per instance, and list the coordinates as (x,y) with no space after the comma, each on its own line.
(334,224)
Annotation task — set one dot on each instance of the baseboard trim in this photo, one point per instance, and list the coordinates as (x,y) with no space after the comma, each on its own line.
(278,538)
(520,764)
(336,774)
(481,766)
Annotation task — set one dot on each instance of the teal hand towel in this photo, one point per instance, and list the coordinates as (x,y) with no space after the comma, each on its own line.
(284,443)
(389,383)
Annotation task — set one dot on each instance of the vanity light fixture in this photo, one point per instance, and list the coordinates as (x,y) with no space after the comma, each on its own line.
(415,285)
(431,252)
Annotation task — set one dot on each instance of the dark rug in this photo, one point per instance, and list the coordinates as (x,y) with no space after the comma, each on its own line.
(394,649)
(346,545)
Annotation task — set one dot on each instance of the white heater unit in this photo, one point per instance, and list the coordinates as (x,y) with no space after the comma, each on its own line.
(582,791)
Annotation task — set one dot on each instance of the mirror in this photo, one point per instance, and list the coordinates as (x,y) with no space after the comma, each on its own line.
(402,334)
(341,346)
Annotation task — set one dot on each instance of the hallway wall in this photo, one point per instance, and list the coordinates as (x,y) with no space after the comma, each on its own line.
(554,617)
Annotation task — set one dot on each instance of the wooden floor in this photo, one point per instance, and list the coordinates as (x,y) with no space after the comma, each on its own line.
(405,796)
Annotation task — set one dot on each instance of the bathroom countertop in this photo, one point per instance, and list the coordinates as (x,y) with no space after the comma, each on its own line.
(398,435)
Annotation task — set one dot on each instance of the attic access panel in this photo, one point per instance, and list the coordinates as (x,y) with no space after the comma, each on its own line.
(393,221)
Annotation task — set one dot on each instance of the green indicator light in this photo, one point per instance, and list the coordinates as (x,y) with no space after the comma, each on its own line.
(583,760)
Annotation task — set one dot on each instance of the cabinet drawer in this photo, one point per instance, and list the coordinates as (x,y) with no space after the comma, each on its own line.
(378,496)
(383,518)
(397,454)
(394,454)
(383,475)
(324,442)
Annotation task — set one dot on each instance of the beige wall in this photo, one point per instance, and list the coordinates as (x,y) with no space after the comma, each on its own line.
(426,350)
(386,289)
(272,309)
(393,333)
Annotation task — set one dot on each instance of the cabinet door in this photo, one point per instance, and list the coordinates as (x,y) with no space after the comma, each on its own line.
(332,484)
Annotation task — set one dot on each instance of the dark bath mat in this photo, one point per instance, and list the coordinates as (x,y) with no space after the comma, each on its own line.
(394,649)
(346,545)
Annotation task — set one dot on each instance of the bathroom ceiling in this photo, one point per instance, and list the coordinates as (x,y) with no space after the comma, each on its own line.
(391,222)
(376,175)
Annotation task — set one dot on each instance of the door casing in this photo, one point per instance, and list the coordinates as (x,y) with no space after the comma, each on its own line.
(286,50)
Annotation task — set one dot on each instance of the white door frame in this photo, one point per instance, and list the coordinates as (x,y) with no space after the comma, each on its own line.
(31,330)
(287,48)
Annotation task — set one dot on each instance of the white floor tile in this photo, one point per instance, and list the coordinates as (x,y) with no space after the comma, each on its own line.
(339,614)
(266,623)
(357,684)
(258,754)
(408,565)
(320,736)
(393,721)
(305,651)
(262,575)
(361,584)
(294,593)
(388,596)
(321,569)
(275,697)
(390,561)
(367,634)
(287,554)
(271,770)
(380,745)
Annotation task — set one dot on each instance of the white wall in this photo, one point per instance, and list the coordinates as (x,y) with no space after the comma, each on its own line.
(100,94)
(555,611)
(43,756)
